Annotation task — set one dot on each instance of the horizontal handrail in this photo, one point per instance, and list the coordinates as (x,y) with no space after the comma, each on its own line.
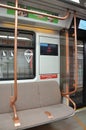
(36,12)
(69,93)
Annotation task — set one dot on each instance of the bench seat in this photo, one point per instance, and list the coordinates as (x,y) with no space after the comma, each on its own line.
(35,117)
(34,100)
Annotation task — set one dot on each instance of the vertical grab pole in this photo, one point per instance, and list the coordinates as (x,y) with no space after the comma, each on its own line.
(75,46)
(14,98)
(15,53)
(67,63)
(76,62)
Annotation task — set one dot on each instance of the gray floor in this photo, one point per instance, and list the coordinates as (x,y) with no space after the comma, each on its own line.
(77,122)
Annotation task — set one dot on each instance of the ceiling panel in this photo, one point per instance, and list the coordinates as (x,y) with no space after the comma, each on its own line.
(59,6)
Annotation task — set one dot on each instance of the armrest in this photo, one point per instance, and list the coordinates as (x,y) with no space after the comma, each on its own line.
(74,105)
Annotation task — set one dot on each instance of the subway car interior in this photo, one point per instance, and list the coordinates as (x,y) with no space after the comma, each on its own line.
(43,65)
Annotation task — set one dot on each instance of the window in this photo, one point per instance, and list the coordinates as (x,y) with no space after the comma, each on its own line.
(25,54)
(82,24)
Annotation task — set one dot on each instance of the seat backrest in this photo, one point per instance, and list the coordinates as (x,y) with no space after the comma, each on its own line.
(37,94)
(28,96)
(49,93)
(5,94)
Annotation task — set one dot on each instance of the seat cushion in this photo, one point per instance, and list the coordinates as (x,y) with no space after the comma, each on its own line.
(60,111)
(35,117)
(6,121)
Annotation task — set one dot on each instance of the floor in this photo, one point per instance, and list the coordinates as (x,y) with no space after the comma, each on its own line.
(77,122)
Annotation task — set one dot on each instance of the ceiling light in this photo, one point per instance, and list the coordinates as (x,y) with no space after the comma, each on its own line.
(80,46)
(18,38)
(77,1)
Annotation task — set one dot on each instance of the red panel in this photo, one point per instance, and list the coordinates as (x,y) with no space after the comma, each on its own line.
(48,76)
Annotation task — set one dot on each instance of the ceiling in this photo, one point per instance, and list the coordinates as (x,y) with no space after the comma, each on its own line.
(82,2)
(59,6)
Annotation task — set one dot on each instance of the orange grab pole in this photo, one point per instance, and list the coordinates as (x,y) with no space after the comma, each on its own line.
(14,97)
(76,63)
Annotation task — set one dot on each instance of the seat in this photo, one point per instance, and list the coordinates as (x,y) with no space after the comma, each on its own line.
(38,103)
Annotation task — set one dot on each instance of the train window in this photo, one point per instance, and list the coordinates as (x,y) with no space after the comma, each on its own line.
(25,55)
(48,49)
(82,24)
